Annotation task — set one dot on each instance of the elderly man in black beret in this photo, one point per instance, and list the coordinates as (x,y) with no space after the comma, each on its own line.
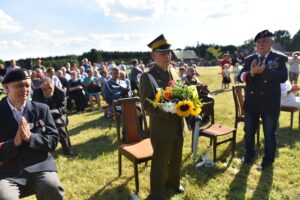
(262,72)
(27,135)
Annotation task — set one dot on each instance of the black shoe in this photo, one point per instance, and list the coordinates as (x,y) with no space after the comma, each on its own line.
(69,152)
(179,189)
(264,165)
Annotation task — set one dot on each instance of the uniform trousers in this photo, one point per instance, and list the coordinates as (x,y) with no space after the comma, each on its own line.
(45,185)
(270,122)
(165,166)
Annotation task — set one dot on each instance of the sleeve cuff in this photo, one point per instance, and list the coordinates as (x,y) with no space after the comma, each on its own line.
(243,77)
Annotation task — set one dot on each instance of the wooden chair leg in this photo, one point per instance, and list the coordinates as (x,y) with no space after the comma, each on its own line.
(257,135)
(233,142)
(292,119)
(215,148)
(136,175)
(120,164)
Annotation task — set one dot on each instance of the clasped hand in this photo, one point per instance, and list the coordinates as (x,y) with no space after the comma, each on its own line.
(257,69)
(23,133)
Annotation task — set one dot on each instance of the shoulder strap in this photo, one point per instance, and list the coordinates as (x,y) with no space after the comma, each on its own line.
(153,82)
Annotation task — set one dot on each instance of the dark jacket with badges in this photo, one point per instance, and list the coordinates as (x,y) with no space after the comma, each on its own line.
(57,104)
(262,93)
(163,125)
(33,156)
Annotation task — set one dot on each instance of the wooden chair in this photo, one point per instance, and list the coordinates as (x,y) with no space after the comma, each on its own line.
(238,92)
(291,110)
(132,146)
(214,131)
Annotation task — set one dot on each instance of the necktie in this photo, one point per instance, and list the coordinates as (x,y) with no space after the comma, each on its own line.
(261,60)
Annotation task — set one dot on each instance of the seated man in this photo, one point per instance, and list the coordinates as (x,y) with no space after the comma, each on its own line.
(288,95)
(55,98)
(113,89)
(27,135)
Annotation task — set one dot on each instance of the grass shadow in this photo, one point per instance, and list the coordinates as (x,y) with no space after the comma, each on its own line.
(115,193)
(95,147)
(101,123)
(264,186)
(287,137)
(238,186)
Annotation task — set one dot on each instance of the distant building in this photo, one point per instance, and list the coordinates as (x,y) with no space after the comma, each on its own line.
(186,56)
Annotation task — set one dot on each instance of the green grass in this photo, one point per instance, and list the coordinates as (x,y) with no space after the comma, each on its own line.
(93,173)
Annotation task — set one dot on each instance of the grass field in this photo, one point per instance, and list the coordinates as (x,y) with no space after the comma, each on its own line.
(92,174)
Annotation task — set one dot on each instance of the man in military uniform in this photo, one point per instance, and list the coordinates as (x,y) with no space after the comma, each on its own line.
(262,72)
(165,128)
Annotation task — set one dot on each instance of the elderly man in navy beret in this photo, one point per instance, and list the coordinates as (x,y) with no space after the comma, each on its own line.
(27,135)
(262,72)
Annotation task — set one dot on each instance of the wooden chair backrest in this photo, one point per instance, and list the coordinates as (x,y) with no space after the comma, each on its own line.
(127,119)
(208,110)
(238,92)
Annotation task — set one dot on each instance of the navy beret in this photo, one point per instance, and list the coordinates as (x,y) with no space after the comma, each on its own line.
(263,34)
(16,75)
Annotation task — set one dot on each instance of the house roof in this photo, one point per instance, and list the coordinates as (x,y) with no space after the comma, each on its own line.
(185,54)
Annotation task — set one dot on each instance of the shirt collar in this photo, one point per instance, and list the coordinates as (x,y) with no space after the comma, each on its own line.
(13,108)
(265,55)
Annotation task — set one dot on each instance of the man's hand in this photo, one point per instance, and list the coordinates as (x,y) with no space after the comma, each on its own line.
(256,69)
(18,138)
(24,129)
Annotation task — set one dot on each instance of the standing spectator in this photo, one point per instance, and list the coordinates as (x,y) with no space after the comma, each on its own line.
(124,82)
(51,74)
(236,71)
(66,74)
(166,130)
(262,72)
(135,75)
(226,77)
(226,60)
(2,72)
(55,98)
(75,92)
(294,67)
(288,95)
(92,89)
(86,64)
(68,69)
(13,66)
(38,65)
(141,65)
(28,134)
(122,66)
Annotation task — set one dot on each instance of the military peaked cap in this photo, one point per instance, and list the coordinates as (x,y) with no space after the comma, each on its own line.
(160,44)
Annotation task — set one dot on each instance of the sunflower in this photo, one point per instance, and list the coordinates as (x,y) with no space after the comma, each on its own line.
(157,97)
(184,108)
(196,111)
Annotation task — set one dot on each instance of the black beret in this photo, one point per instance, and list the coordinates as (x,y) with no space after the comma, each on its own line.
(16,75)
(263,34)
(160,44)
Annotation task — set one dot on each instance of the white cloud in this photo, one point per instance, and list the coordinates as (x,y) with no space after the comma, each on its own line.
(132,9)
(7,24)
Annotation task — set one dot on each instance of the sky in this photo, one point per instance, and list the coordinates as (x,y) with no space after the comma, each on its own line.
(42,28)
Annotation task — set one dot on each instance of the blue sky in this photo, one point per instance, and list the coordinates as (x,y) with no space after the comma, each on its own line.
(40,28)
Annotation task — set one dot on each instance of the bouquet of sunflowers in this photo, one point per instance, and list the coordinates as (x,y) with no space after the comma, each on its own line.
(179,99)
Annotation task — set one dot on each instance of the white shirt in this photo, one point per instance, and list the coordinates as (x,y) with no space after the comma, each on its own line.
(17,114)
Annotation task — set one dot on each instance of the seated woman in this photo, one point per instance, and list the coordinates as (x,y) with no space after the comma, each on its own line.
(75,91)
(92,89)
(288,94)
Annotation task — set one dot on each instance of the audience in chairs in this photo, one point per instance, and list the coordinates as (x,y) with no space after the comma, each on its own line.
(55,98)
(75,91)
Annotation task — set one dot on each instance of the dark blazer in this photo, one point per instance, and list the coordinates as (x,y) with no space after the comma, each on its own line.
(263,90)
(57,104)
(163,125)
(30,157)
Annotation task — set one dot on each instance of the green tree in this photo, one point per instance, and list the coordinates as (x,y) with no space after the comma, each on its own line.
(213,53)
(283,37)
(295,42)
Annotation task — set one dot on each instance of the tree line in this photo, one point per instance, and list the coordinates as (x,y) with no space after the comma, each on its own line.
(208,52)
